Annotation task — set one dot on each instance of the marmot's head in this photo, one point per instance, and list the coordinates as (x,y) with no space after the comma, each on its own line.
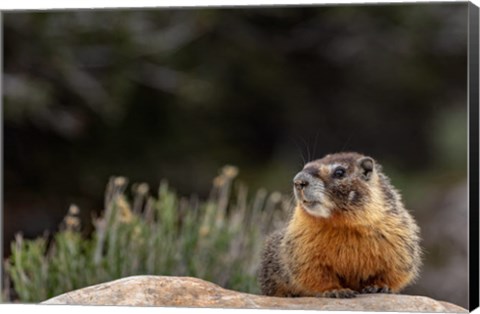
(341,182)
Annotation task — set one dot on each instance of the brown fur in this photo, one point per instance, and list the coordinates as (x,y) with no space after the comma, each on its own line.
(366,245)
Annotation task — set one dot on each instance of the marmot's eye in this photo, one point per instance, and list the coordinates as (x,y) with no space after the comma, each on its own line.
(339,172)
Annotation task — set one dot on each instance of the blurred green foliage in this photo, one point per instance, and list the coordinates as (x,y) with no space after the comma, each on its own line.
(218,240)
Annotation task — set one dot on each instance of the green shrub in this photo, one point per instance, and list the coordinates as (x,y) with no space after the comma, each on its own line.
(218,239)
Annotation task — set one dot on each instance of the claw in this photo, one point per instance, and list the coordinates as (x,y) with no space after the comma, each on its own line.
(376,289)
(338,293)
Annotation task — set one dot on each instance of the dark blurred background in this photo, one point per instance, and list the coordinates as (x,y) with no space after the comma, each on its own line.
(177,94)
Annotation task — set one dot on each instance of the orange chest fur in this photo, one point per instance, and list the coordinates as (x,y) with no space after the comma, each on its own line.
(349,252)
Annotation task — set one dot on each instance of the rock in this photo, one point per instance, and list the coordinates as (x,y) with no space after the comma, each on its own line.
(193,292)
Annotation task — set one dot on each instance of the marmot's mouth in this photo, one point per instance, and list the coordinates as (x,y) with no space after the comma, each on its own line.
(315,208)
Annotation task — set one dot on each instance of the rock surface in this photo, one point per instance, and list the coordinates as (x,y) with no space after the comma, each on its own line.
(193,292)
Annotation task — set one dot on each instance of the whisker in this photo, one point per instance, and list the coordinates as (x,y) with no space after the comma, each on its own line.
(292,200)
(300,151)
(308,149)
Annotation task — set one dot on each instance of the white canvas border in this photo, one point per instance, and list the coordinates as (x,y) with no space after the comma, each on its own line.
(19,5)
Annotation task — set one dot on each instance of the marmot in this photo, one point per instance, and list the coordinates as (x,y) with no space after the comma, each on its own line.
(350,233)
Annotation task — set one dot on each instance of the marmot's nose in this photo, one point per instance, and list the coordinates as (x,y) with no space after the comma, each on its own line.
(300,181)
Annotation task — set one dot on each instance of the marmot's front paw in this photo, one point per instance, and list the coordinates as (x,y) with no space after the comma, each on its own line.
(338,293)
(376,289)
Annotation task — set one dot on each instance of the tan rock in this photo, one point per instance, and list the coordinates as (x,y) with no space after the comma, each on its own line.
(193,292)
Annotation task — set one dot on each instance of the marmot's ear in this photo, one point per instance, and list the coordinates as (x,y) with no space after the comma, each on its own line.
(366,165)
